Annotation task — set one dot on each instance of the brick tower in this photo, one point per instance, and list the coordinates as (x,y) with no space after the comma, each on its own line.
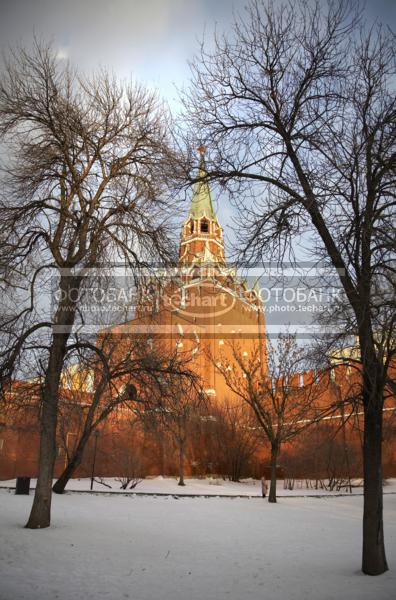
(202,302)
(202,236)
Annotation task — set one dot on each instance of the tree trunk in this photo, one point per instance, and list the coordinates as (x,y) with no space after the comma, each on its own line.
(181,463)
(73,463)
(161,438)
(40,515)
(274,458)
(374,559)
(373,556)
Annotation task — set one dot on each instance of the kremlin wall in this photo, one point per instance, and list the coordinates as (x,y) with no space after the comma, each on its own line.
(200,309)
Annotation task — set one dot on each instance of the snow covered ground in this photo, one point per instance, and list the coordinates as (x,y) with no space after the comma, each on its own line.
(160,548)
(206,487)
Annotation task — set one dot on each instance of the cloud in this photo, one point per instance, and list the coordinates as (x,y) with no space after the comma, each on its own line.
(62,54)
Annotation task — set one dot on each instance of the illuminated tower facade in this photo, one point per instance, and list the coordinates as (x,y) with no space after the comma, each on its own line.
(202,240)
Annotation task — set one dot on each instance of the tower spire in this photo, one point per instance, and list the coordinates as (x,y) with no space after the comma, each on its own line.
(202,236)
(201,204)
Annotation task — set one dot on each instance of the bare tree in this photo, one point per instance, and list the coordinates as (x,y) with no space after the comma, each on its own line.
(122,367)
(173,401)
(328,456)
(235,433)
(84,184)
(128,453)
(282,407)
(297,107)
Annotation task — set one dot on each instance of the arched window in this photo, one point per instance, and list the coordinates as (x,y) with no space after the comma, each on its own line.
(204,226)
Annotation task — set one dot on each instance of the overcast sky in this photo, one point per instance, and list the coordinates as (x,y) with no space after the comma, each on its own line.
(148,39)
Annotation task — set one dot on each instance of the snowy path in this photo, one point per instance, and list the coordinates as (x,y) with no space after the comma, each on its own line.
(144,548)
(204,487)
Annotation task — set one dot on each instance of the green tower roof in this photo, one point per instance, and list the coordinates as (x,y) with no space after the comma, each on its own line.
(201,204)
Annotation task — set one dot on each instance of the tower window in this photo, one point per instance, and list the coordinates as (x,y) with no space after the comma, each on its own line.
(195,273)
(204,226)
(192,227)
